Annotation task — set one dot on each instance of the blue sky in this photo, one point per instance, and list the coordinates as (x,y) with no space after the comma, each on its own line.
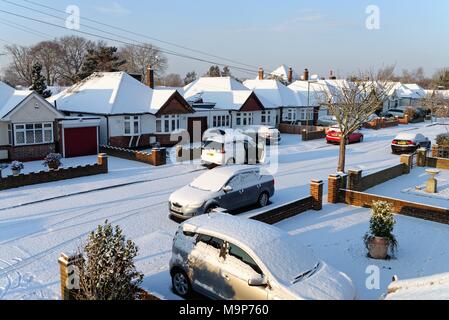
(321,35)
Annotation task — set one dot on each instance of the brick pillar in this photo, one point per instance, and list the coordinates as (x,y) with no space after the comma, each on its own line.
(406,118)
(406,160)
(304,135)
(103,161)
(179,154)
(68,276)
(354,180)
(422,157)
(159,156)
(333,188)
(435,152)
(316,190)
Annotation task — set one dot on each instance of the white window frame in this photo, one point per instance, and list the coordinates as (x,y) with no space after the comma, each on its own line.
(266,117)
(22,128)
(221,121)
(10,136)
(132,121)
(291,114)
(174,123)
(246,119)
(306,114)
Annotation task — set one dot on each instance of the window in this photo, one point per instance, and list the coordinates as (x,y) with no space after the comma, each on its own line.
(33,133)
(132,125)
(244,119)
(291,114)
(306,114)
(10,135)
(167,124)
(266,117)
(211,241)
(238,253)
(221,121)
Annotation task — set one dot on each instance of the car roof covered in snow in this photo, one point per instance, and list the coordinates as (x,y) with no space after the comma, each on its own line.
(284,257)
(406,136)
(111,93)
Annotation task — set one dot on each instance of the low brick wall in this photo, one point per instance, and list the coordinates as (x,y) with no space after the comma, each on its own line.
(157,157)
(184,154)
(432,162)
(440,151)
(33,178)
(381,123)
(278,214)
(411,209)
(297,129)
(313,135)
(357,182)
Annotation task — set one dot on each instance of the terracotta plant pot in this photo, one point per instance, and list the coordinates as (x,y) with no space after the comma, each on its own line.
(378,248)
(53,165)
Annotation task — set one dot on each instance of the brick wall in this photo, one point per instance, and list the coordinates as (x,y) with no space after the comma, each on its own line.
(381,123)
(297,129)
(141,141)
(359,183)
(313,135)
(157,157)
(278,214)
(31,153)
(425,161)
(56,175)
(440,151)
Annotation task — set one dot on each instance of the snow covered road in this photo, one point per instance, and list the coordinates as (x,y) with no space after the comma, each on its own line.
(33,236)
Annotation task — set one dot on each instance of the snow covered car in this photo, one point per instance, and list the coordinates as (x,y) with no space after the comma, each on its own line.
(400,113)
(409,142)
(267,134)
(227,146)
(230,188)
(333,135)
(235,258)
(326,121)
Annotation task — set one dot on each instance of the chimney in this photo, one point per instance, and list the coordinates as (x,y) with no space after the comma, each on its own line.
(261,74)
(306,75)
(331,75)
(149,77)
(290,75)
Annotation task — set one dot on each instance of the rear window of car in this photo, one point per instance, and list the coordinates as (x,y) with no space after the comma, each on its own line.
(213,145)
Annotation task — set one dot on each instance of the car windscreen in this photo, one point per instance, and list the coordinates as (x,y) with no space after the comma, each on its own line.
(210,181)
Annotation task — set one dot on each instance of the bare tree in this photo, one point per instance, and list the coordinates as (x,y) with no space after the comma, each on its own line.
(172,80)
(74,50)
(48,53)
(138,58)
(20,69)
(352,103)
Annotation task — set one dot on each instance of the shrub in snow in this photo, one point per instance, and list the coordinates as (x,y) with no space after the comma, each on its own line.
(443,140)
(53,160)
(107,271)
(382,223)
(17,166)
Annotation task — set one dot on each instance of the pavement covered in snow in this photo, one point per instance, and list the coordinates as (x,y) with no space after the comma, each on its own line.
(37,223)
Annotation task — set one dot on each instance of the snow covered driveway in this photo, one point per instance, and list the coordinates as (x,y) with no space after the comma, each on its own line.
(32,236)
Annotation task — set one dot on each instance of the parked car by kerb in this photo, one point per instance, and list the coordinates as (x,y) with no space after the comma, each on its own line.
(228,147)
(230,187)
(334,136)
(409,142)
(234,258)
(267,134)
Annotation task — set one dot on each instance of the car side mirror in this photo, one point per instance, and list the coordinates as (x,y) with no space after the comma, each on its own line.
(260,281)
(228,189)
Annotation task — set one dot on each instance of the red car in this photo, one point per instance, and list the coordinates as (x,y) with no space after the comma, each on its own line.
(334,135)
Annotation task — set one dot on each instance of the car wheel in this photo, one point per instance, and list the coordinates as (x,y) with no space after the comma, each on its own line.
(230,161)
(263,200)
(181,283)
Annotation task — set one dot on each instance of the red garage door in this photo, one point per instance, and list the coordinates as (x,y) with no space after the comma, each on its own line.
(79,142)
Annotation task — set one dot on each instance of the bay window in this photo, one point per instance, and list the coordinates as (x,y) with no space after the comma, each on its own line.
(167,124)
(306,114)
(132,125)
(266,117)
(291,115)
(221,121)
(244,119)
(33,133)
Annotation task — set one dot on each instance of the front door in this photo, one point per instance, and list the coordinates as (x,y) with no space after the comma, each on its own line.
(196,127)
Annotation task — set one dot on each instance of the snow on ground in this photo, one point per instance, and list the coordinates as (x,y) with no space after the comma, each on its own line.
(336,235)
(33,236)
(404,188)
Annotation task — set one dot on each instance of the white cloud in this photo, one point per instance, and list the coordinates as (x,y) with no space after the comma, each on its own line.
(114,8)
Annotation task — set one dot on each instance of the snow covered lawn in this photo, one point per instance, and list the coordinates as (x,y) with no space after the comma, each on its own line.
(336,235)
(404,188)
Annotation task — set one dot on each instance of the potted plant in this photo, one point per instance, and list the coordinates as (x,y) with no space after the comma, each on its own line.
(16,168)
(380,239)
(53,161)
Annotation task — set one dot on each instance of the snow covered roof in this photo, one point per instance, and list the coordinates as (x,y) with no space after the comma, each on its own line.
(434,287)
(111,93)
(223,92)
(273,94)
(282,72)
(10,98)
(315,91)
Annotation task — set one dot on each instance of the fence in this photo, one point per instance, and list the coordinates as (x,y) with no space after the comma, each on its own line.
(101,167)
(157,156)
(296,128)
(313,135)
(440,151)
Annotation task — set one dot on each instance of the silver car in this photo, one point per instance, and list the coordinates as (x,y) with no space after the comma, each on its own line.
(230,187)
(234,258)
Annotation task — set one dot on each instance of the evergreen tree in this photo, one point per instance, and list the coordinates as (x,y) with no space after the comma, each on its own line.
(38,81)
(101,59)
(214,71)
(190,77)
(226,72)
(107,271)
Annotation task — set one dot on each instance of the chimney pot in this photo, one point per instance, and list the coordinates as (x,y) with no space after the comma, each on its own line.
(306,75)
(290,75)
(261,74)
(149,81)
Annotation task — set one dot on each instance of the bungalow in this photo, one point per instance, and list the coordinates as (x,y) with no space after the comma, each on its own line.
(286,74)
(225,102)
(133,115)
(28,125)
(404,96)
